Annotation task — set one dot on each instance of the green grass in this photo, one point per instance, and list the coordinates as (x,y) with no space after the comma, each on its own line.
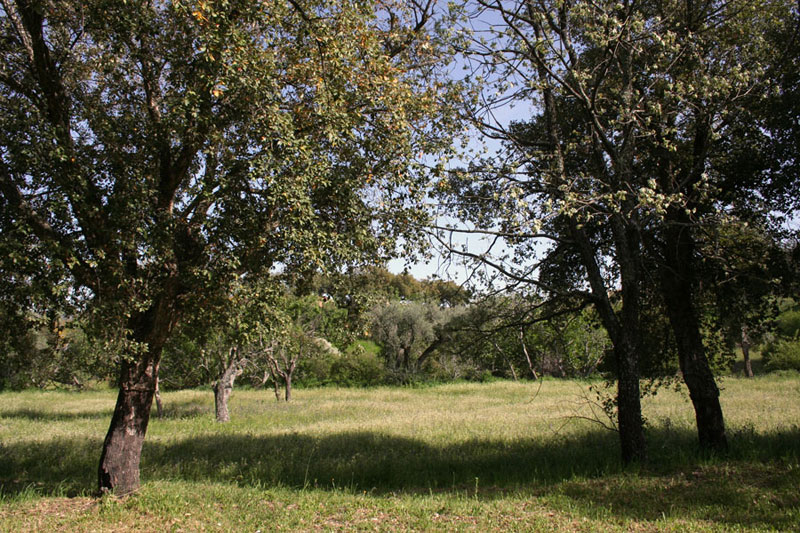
(474,457)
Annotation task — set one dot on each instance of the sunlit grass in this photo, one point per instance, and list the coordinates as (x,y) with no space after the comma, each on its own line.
(497,456)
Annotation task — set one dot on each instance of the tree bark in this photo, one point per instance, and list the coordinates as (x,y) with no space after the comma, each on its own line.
(221,395)
(276,387)
(224,385)
(122,448)
(527,356)
(629,406)
(678,297)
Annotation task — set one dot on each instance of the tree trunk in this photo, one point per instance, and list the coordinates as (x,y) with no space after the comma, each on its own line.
(748,368)
(276,388)
(623,329)
(122,448)
(527,356)
(678,296)
(629,406)
(159,406)
(221,395)
(287,379)
(698,376)
(223,386)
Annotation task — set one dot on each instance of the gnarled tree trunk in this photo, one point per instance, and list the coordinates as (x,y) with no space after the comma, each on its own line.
(224,385)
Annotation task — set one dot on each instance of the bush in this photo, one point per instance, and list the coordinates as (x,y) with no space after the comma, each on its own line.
(358,367)
(788,324)
(783,355)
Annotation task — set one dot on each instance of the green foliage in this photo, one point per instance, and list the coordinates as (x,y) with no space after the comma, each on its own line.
(358,367)
(155,152)
(787,324)
(49,354)
(782,354)
(403,330)
(782,351)
(504,336)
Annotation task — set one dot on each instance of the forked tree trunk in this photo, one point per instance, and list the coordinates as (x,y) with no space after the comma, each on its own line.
(122,448)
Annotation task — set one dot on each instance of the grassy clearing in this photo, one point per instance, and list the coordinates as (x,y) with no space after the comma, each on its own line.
(498,456)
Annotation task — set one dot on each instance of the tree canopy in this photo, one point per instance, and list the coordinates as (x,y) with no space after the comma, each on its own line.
(154,151)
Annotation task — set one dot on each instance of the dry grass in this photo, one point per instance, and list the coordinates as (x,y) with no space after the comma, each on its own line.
(470,457)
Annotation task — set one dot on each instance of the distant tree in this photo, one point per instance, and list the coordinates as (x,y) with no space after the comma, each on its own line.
(312,327)
(407,333)
(155,151)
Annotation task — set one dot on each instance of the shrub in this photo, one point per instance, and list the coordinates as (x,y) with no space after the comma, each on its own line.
(358,367)
(788,324)
(783,355)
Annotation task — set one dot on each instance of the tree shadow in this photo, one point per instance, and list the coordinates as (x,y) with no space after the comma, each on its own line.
(48,416)
(176,409)
(583,470)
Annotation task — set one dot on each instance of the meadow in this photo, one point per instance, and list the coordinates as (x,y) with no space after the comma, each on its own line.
(498,456)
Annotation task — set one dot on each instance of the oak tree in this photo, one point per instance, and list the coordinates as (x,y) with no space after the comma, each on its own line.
(153,152)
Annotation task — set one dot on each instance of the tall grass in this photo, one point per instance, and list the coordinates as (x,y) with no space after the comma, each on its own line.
(524,456)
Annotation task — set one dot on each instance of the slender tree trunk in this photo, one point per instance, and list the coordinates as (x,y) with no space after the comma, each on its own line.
(276,388)
(122,448)
(159,406)
(513,372)
(527,356)
(678,296)
(748,368)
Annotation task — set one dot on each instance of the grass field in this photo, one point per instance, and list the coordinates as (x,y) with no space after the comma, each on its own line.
(477,457)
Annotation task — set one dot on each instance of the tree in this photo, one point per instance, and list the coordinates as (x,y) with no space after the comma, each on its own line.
(405,331)
(630,100)
(154,152)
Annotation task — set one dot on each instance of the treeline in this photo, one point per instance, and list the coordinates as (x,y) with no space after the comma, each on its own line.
(378,328)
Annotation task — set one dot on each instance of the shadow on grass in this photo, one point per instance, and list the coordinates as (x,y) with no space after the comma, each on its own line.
(173,409)
(40,415)
(756,485)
